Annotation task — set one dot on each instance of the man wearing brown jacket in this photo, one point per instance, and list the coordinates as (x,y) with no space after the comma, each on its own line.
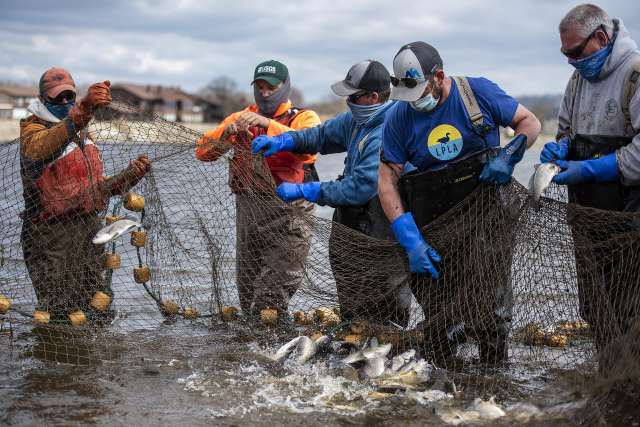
(64,190)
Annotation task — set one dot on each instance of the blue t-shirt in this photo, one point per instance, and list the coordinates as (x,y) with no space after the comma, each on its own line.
(428,140)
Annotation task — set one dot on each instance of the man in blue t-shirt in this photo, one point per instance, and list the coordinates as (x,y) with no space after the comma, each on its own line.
(448,128)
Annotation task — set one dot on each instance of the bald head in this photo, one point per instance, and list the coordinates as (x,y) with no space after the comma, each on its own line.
(585,19)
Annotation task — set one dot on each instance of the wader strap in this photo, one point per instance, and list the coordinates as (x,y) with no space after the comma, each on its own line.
(471,105)
(631,85)
(573,91)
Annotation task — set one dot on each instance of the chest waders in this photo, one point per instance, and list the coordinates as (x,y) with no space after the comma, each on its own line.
(430,194)
(388,298)
(605,286)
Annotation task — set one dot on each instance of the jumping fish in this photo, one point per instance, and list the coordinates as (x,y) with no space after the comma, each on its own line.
(305,346)
(374,352)
(113,231)
(541,179)
(375,367)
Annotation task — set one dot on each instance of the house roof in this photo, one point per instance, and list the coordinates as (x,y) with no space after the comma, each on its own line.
(19,91)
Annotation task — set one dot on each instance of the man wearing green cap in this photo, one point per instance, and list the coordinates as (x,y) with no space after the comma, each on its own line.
(271,244)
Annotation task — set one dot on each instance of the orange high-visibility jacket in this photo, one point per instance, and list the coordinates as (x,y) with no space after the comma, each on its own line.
(283,166)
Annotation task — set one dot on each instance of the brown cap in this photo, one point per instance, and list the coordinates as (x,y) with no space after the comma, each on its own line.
(54,81)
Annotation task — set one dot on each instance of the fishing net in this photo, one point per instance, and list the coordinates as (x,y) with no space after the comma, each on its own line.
(554,282)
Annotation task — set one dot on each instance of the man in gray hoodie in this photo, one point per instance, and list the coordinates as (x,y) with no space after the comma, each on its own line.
(598,148)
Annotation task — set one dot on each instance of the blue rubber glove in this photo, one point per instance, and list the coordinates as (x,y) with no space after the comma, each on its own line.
(290,192)
(498,170)
(272,144)
(602,169)
(553,151)
(421,256)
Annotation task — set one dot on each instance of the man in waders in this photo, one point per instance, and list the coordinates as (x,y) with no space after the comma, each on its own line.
(64,190)
(447,127)
(272,242)
(363,292)
(598,148)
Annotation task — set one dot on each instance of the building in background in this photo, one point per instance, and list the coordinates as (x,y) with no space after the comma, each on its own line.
(14,100)
(171,103)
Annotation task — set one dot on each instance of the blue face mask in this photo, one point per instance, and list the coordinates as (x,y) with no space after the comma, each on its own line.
(59,110)
(425,104)
(590,67)
(363,113)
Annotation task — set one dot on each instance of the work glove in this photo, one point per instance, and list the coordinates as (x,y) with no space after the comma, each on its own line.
(289,192)
(272,144)
(499,169)
(421,256)
(553,151)
(602,169)
(98,95)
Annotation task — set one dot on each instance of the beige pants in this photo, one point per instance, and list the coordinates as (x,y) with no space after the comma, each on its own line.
(272,244)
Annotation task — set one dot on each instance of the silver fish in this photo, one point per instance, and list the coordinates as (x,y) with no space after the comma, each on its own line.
(368,353)
(284,351)
(402,359)
(541,179)
(115,230)
(306,349)
(375,367)
(488,409)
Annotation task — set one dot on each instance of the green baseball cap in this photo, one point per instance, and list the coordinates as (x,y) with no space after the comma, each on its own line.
(273,72)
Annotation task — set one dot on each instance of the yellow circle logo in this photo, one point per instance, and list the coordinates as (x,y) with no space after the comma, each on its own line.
(445,142)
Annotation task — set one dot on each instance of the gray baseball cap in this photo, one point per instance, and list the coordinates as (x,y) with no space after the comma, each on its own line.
(365,76)
(417,60)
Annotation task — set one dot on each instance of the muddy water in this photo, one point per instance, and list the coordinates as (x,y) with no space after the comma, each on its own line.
(203,373)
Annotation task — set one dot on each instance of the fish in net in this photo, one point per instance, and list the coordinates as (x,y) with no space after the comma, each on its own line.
(557,283)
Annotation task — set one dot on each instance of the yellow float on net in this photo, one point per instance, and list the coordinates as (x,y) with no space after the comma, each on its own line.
(110,219)
(112,261)
(326,316)
(269,316)
(100,301)
(5,304)
(170,308)
(354,339)
(228,313)
(138,238)
(77,318)
(556,340)
(142,274)
(302,318)
(190,313)
(134,202)
(41,317)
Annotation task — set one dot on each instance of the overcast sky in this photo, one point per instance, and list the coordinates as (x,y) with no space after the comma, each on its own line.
(190,42)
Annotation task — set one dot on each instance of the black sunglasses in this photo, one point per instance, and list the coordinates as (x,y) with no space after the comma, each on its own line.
(577,51)
(354,97)
(67,95)
(408,82)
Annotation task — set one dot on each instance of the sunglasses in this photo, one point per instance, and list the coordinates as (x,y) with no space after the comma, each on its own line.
(577,51)
(408,82)
(354,98)
(67,96)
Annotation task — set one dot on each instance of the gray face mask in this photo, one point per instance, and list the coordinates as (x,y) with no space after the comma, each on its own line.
(268,105)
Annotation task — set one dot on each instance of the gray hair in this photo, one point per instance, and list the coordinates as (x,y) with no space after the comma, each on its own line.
(585,19)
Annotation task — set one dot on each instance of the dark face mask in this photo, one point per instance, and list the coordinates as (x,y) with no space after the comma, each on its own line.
(59,110)
(268,105)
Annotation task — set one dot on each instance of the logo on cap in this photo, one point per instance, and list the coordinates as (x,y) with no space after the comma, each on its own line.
(267,69)
(413,73)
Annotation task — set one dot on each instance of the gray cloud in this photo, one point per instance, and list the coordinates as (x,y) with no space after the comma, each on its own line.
(189,42)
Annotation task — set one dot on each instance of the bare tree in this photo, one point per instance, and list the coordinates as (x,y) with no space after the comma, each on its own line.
(224,90)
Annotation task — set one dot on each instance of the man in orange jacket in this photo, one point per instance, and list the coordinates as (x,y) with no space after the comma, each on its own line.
(271,244)
(64,189)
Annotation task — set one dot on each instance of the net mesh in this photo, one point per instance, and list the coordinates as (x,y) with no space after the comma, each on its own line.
(552,282)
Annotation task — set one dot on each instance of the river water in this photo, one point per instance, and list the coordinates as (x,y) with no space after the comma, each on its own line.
(148,372)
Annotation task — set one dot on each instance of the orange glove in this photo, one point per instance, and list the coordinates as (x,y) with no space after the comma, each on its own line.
(98,95)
